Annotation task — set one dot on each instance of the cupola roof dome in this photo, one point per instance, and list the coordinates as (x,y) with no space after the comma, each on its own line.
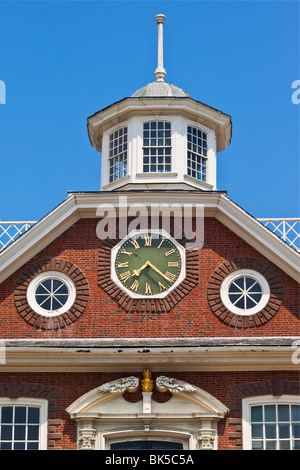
(161,90)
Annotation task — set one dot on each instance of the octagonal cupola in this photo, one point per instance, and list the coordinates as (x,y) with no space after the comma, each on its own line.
(159,138)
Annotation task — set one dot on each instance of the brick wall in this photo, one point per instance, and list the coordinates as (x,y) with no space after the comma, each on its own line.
(70,386)
(192,316)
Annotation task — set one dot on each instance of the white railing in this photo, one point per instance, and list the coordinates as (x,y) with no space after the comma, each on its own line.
(287,229)
(10,231)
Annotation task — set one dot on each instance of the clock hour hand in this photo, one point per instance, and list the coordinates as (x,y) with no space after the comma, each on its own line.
(137,272)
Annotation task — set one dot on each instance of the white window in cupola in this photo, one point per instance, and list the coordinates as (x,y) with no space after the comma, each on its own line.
(157,147)
(118,154)
(196,153)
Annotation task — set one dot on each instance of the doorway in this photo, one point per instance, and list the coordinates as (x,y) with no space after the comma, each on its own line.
(146,445)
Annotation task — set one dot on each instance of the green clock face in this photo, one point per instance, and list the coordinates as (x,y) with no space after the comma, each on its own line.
(148,264)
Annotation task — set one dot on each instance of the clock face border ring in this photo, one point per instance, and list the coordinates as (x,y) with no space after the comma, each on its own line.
(135,233)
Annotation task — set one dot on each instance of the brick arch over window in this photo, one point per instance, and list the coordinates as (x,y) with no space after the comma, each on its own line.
(60,321)
(16,389)
(276,386)
(244,321)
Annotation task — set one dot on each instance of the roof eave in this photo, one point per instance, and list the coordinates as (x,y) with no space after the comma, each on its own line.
(115,354)
(121,110)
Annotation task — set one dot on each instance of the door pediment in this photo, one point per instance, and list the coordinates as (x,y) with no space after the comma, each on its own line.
(107,402)
(190,417)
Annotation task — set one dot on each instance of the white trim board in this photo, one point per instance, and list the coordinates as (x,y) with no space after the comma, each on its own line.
(90,355)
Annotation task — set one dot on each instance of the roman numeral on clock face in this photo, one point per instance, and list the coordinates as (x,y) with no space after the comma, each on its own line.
(148,240)
(125,276)
(173,264)
(123,265)
(168,253)
(161,286)
(124,252)
(148,289)
(170,276)
(163,239)
(135,244)
(134,286)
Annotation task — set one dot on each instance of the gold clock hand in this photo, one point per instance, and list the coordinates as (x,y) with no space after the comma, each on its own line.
(158,271)
(137,272)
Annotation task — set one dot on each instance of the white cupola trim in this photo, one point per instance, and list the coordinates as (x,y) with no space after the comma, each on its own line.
(139,167)
(159,138)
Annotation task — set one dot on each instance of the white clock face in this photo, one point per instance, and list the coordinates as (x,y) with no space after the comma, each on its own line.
(148,264)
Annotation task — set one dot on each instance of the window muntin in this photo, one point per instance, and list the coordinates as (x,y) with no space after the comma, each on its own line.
(157,147)
(51,293)
(20,427)
(275,426)
(196,153)
(118,141)
(245,292)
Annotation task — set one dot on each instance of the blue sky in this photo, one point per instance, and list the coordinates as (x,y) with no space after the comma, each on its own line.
(63,61)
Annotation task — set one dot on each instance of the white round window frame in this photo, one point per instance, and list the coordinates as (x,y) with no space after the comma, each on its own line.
(43,277)
(253,275)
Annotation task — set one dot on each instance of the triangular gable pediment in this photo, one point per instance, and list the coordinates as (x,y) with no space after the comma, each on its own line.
(86,205)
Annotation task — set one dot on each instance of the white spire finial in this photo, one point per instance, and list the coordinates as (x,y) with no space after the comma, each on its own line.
(160,72)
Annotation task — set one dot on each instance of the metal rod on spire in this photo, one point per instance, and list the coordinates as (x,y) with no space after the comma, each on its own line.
(160,72)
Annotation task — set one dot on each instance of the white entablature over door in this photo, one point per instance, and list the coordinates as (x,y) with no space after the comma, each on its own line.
(189,418)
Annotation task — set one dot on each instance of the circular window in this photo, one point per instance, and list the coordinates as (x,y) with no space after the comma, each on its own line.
(51,293)
(245,292)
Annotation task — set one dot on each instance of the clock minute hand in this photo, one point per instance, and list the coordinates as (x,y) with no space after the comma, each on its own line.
(158,271)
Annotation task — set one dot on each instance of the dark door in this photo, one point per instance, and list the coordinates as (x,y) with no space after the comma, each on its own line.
(146,445)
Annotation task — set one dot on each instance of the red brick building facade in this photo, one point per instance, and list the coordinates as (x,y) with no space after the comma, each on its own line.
(93,358)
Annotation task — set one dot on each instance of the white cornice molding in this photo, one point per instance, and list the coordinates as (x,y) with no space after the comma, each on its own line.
(157,354)
(83,205)
(122,110)
(139,342)
(133,104)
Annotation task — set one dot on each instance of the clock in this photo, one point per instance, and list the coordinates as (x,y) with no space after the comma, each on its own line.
(148,264)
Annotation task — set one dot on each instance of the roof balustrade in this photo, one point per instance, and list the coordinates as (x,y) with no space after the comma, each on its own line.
(287,229)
